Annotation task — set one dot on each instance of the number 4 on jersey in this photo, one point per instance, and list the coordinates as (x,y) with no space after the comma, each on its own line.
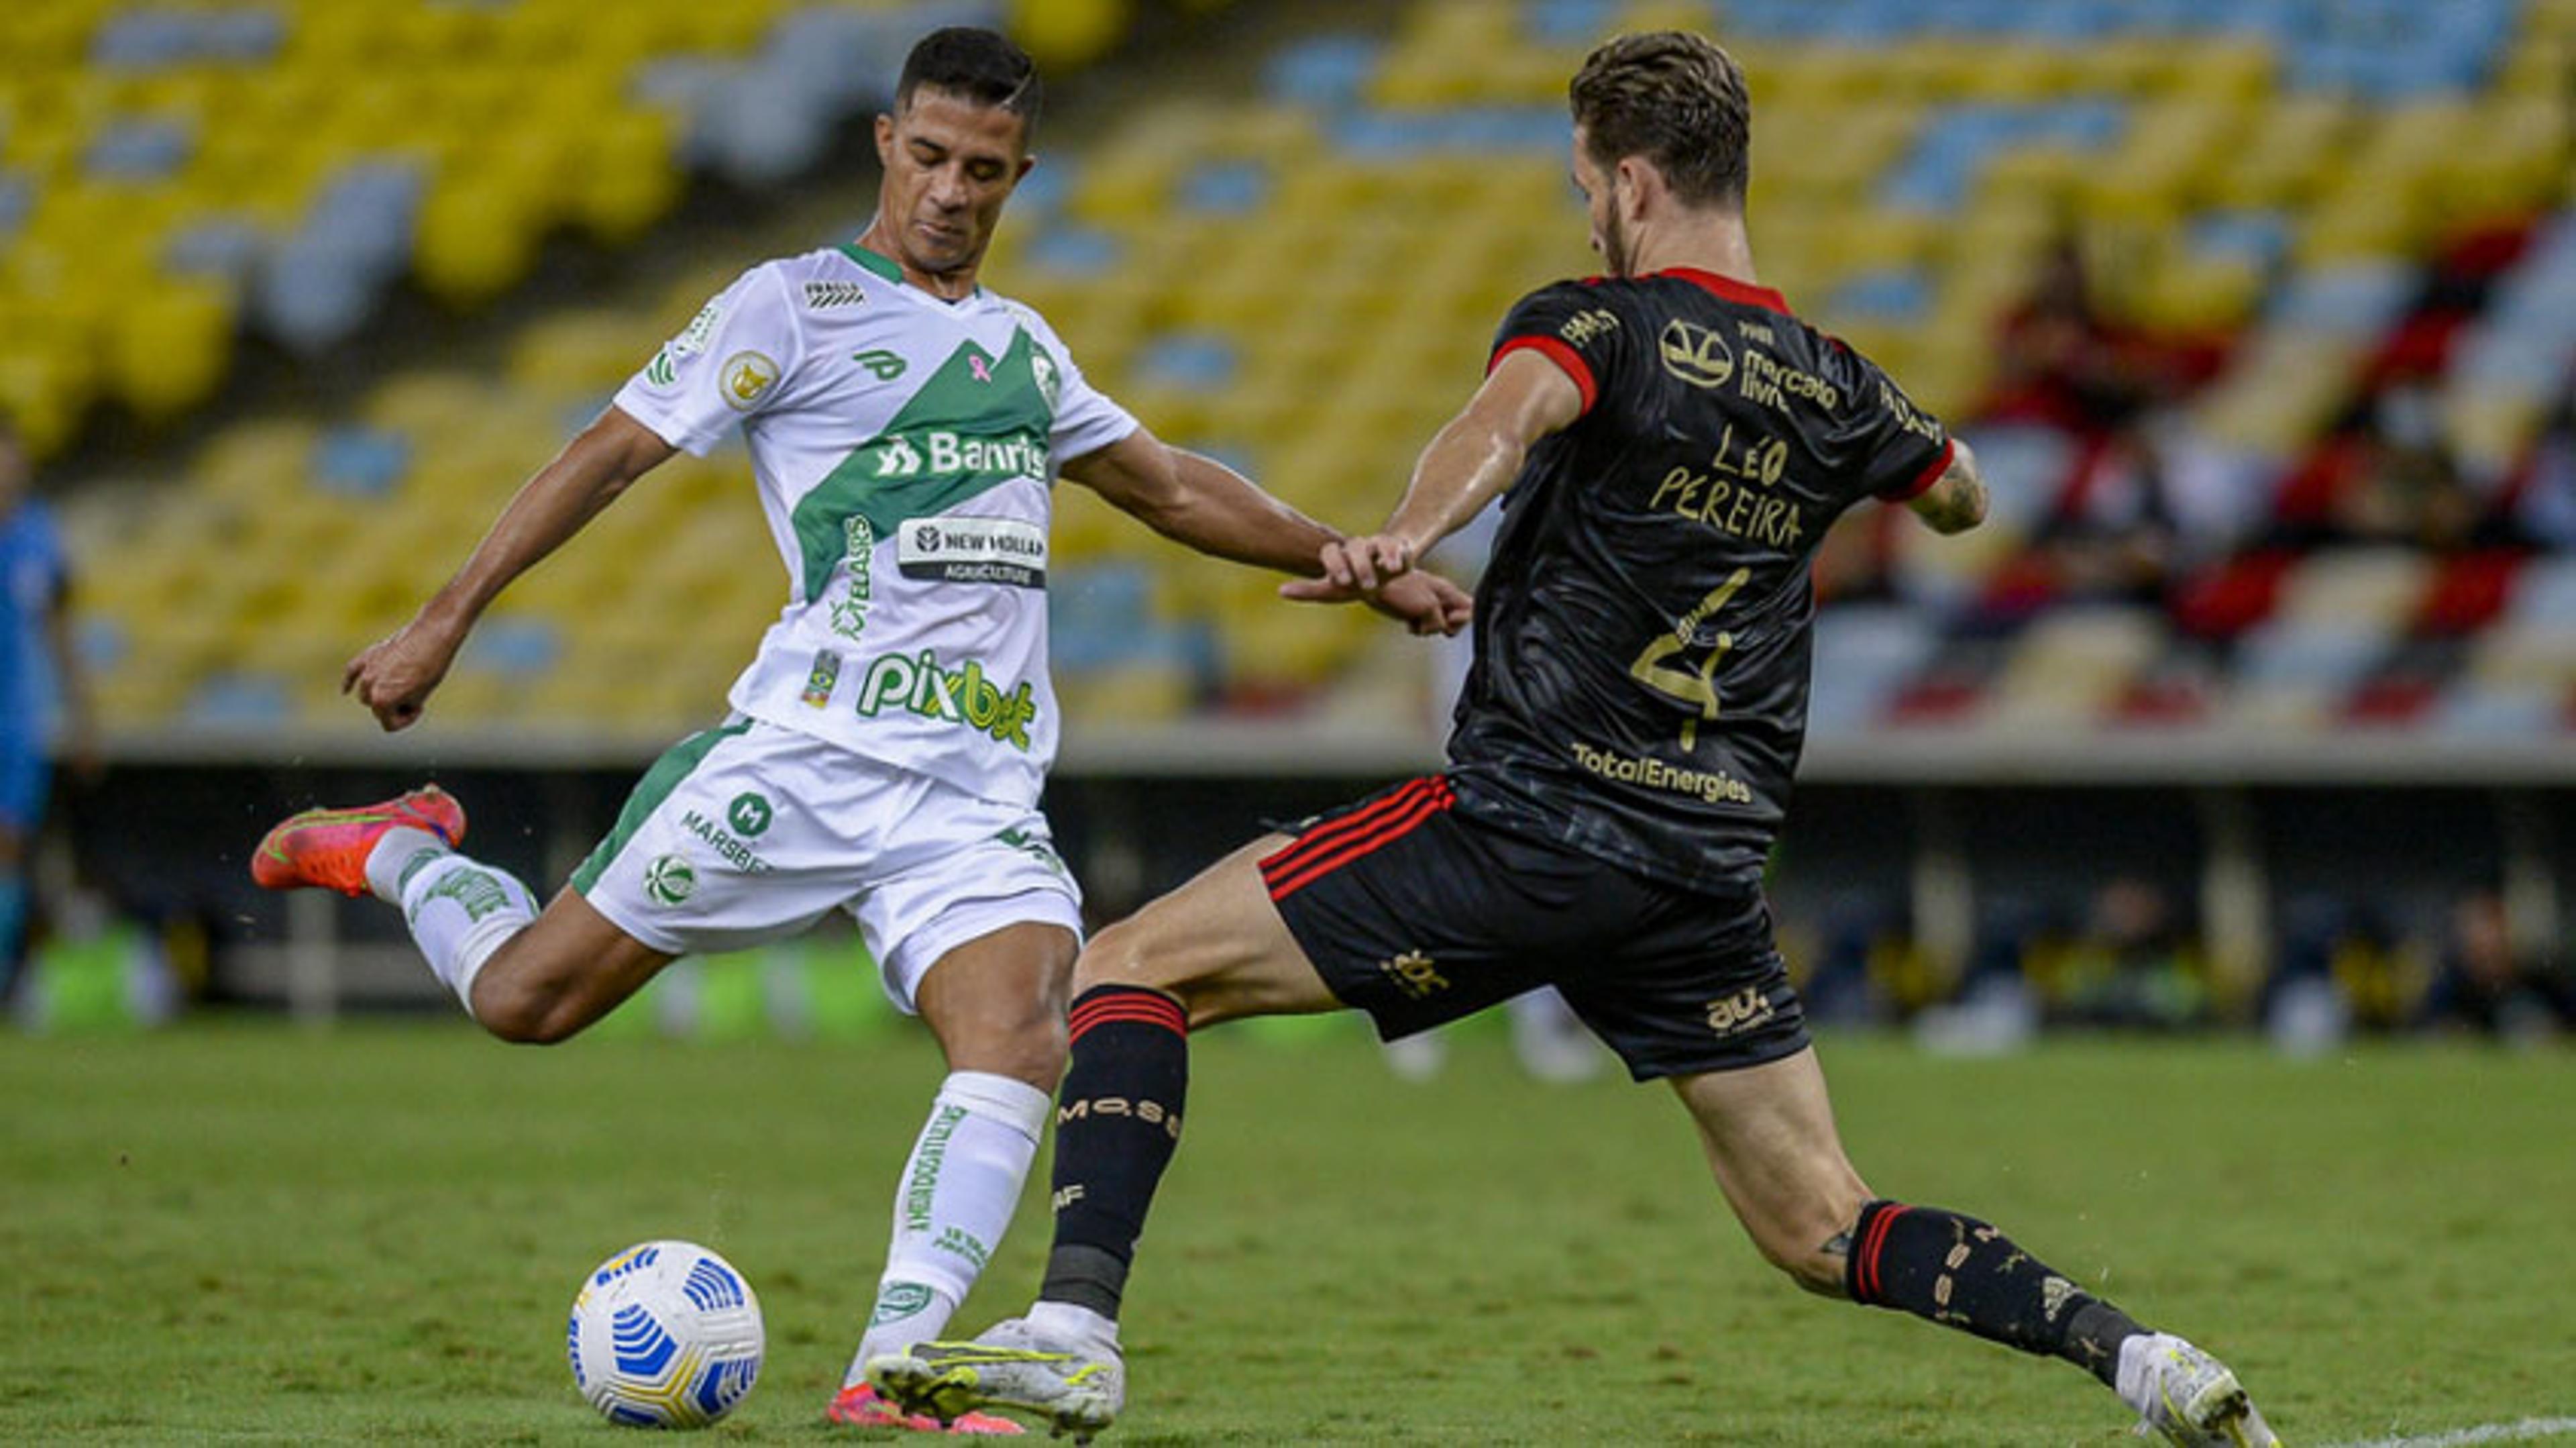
(1691,686)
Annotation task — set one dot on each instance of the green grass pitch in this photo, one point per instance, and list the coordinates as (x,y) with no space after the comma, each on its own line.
(247,1232)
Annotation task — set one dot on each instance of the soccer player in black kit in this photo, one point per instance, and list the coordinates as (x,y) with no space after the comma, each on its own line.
(1670,443)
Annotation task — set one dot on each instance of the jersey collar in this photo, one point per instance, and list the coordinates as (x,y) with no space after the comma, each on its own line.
(1729,288)
(890,269)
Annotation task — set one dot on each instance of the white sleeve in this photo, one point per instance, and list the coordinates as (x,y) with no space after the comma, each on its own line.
(1085,419)
(731,364)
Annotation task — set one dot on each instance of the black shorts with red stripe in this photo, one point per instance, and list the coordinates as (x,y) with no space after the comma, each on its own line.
(1420,915)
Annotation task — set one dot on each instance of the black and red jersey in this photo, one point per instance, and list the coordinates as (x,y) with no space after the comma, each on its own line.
(1644,627)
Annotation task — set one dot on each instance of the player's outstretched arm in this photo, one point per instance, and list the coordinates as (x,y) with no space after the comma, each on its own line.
(1208,506)
(1469,462)
(394,676)
(1957,501)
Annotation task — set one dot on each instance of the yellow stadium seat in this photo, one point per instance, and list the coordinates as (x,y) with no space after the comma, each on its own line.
(1095,701)
(629,177)
(2071,665)
(2490,429)
(168,352)
(477,238)
(2278,391)
(428,403)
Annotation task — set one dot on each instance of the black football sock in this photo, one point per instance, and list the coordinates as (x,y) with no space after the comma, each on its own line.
(1117,1121)
(1961,1273)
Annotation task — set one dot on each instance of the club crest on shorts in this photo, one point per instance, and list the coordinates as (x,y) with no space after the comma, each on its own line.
(669,880)
(1414,974)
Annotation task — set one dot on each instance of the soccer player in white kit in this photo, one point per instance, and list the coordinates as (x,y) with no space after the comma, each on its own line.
(887,745)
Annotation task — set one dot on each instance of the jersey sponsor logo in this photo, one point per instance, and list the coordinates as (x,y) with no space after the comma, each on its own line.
(1752,331)
(1036,848)
(727,846)
(824,295)
(943,453)
(858,560)
(973,550)
(1710,786)
(1907,416)
(747,378)
(1739,1012)
(693,338)
(669,880)
(1414,974)
(1584,328)
(1695,354)
(885,366)
(920,685)
(750,814)
(1042,368)
(1771,382)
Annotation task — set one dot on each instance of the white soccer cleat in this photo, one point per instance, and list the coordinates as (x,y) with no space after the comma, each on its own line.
(1077,1389)
(2189,1396)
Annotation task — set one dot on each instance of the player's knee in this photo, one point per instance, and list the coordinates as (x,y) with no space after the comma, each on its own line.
(1002,1035)
(1124,954)
(1032,1049)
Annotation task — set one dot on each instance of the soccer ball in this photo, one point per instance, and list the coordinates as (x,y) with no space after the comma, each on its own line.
(665,1335)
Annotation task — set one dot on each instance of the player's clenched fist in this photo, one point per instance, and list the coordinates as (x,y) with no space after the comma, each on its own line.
(394,676)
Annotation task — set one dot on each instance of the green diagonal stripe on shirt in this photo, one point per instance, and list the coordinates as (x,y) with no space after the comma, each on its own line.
(1002,416)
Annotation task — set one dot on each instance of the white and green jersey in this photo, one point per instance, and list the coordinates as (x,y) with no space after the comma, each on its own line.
(905,448)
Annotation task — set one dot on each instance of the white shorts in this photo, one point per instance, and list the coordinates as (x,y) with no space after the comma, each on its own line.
(750,833)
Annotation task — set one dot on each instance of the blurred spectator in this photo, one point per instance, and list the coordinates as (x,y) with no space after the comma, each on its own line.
(1998,1009)
(2488,986)
(39,671)
(2409,488)
(2061,361)
(2135,965)
(2115,533)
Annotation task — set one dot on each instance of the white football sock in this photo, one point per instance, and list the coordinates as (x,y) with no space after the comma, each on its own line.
(460,910)
(950,1209)
(394,852)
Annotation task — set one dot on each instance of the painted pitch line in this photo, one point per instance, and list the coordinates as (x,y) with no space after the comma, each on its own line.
(2522,1432)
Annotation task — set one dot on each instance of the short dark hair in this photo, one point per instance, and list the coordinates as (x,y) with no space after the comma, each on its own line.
(1676,99)
(980,65)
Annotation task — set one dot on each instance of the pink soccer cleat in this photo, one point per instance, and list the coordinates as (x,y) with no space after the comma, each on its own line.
(862,1406)
(328,847)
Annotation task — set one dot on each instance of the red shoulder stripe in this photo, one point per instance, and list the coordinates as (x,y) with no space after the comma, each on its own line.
(1567,360)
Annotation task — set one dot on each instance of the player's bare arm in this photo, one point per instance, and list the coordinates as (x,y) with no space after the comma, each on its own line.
(395,676)
(1469,462)
(1200,502)
(1957,501)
